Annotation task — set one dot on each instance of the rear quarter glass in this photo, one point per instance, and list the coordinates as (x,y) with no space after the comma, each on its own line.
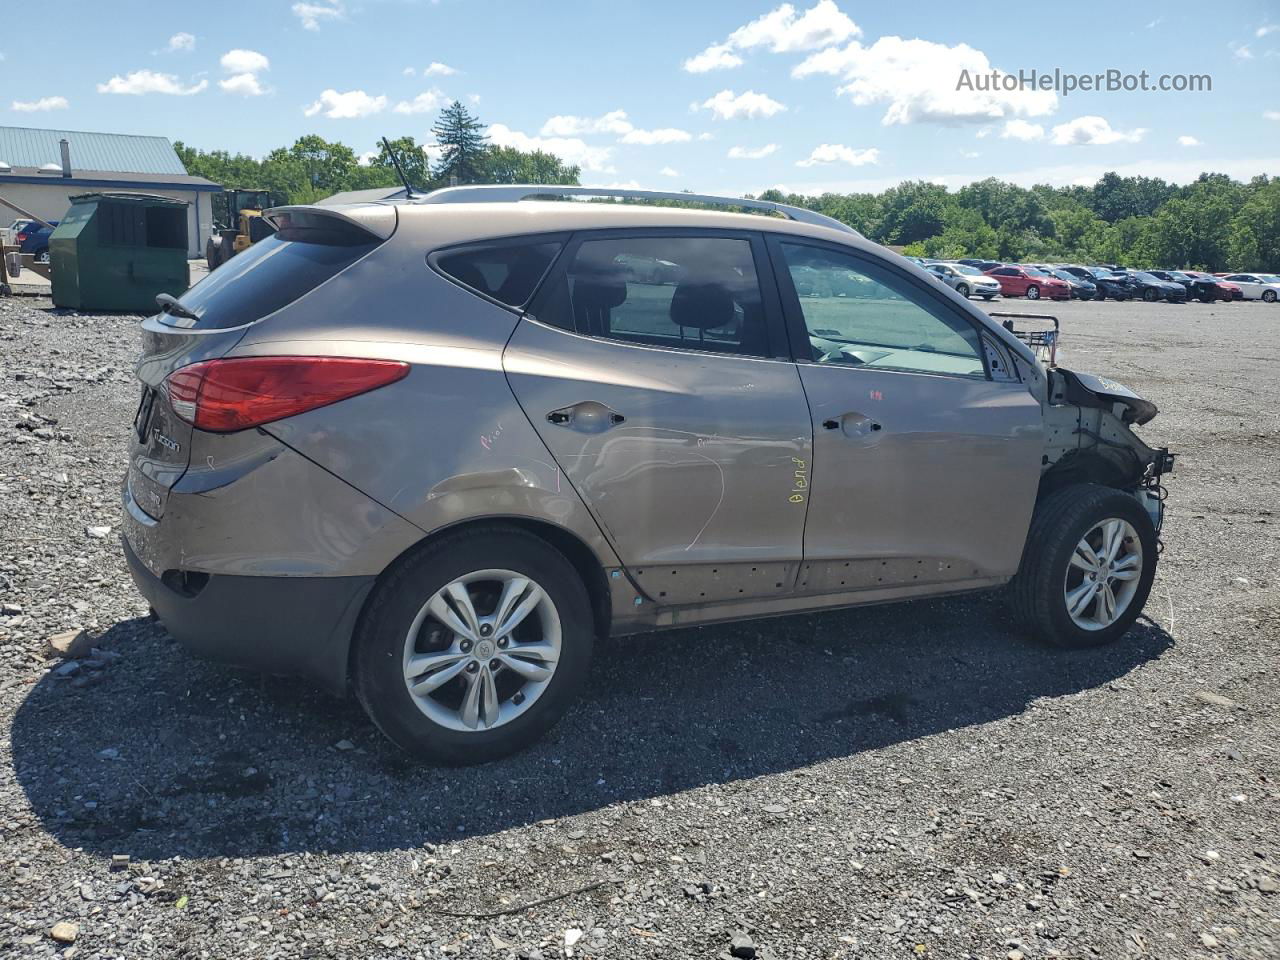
(274,272)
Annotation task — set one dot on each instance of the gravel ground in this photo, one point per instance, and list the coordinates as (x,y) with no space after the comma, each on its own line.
(911,781)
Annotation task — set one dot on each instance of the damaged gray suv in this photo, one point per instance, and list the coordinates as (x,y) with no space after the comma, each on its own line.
(429,450)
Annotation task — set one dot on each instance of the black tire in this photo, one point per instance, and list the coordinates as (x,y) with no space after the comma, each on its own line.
(383,632)
(213,252)
(1033,292)
(963,290)
(1100,294)
(41,255)
(988,296)
(1268,296)
(1150,295)
(1037,593)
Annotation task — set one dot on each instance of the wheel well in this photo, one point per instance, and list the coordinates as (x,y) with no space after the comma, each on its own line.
(568,544)
(1087,466)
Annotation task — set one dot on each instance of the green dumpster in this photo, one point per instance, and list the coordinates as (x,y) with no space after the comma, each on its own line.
(116,251)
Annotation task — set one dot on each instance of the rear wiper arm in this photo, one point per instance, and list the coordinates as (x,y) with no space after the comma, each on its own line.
(169,304)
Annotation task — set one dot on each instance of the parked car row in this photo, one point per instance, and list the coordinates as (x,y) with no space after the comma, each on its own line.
(1061,281)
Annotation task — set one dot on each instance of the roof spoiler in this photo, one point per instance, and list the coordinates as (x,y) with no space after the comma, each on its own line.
(511,193)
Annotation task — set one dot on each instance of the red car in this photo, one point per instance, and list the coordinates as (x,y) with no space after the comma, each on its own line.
(1227,290)
(1030,283)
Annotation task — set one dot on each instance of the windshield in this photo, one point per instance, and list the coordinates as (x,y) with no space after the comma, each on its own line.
(967,270)
(1270,278)
(1148,277)
(1063,275)
(1033,272)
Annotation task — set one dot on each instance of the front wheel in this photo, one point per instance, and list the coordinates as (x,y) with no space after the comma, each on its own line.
(474,647)
(1087,567)
(1033,292)
(1099,294)
(962,289)
(1150,295)
(988,296)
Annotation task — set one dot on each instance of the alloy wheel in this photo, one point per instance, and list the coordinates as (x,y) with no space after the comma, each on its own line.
(1103,573)
(482,650)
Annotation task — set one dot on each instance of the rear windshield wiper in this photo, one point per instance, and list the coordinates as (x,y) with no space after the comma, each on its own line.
(169,304)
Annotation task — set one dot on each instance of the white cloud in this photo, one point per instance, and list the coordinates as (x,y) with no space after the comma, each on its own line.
(311,15)
(408,71)
(1016,129)
(838,153)
(1188,141)
(244,61)
(346,106)
(669,172)
(782,30)
(243,67)
(244,84)
(1093,131)
(366,158)
(473,97)
(1240,51)
(1271,114)
(181,41)
(922,81)
(706,136)
(649,138)
(139,82)
(718,56)
(970,154)
(752,153)
(564,125)
(422,103)
(726,105)
(1265,29)
(569,149)
(38,106)
(820,26)
(438,69)
(628,185)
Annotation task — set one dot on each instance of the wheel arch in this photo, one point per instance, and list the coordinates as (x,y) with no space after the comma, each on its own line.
(568,544)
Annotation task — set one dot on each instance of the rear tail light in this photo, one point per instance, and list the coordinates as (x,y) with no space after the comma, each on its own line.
(241,392)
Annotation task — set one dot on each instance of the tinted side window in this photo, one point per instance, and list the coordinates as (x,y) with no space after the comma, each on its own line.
(692,293)
(507,272)
(859,314)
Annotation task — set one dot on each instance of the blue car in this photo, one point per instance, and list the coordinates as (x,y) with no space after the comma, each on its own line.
(35,240)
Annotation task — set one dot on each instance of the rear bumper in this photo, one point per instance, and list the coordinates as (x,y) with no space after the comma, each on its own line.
(289,625)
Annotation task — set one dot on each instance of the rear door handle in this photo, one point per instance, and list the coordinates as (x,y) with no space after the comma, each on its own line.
(590,416)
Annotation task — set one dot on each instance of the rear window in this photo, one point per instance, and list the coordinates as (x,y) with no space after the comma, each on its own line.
(507,272)
(274,272)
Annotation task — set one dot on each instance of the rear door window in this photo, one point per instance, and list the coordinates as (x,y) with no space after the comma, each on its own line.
(274,272)
(508,272)
(677,292)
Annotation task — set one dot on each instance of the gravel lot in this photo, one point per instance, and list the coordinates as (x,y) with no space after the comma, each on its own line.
(910,781)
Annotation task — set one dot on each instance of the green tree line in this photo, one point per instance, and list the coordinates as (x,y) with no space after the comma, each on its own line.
(1215,223)
(314,168)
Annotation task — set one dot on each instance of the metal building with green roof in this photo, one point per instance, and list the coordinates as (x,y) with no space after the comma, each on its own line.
(40,170)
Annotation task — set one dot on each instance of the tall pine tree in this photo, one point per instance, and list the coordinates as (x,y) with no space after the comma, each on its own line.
(464,145)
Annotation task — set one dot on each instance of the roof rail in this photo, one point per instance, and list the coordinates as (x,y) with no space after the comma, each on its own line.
(509,193)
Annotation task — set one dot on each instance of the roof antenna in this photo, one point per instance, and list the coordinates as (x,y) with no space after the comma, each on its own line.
(408,190)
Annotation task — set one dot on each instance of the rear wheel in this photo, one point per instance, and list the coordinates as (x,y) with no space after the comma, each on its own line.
(1268,296)
(42,256)
(1100,294)
(988,296)
(1087,567)
(474,647)
(1033,292)
(213,252)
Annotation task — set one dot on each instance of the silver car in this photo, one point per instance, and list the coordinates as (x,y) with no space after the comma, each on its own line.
(429,450)
(966,280)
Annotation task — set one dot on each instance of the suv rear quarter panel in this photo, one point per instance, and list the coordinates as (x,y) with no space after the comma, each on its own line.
(448,443)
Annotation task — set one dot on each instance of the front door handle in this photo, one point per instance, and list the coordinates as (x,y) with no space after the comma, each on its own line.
(590,416)
(853,424)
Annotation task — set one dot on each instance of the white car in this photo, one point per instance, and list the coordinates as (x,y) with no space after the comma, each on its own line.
(965,280)
(1257,286)
(9,234)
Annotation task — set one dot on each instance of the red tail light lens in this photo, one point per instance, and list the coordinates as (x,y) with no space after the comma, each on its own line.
(241,392)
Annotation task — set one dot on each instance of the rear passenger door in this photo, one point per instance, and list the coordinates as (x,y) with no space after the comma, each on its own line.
(655,368)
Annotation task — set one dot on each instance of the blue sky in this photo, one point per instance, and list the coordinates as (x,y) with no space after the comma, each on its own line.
(711,96)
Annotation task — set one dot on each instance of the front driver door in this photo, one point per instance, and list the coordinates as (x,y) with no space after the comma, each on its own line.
(657,373)
(924,468)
